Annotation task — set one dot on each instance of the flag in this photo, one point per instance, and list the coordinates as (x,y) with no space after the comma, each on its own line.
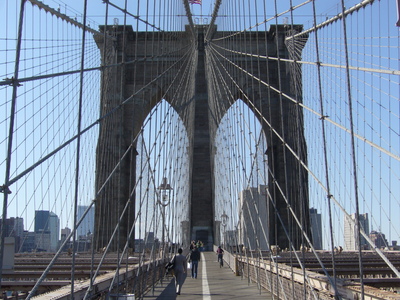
(195,2)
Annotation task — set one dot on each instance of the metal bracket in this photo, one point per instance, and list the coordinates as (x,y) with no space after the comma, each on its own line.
(5,189)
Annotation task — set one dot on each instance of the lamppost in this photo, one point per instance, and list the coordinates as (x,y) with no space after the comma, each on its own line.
(224,220)
(163,201)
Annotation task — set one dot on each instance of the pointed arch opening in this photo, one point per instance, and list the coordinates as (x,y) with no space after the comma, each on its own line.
(240,179)
(162,168)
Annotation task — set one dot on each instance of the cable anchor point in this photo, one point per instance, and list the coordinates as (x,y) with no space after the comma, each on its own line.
(5,189)
(13,82)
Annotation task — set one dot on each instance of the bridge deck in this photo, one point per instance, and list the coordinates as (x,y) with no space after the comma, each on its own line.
(212,282)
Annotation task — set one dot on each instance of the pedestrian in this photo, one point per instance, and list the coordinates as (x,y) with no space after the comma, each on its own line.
(194,259)
(192,244)
(180,268)
(220,254)
(199,245)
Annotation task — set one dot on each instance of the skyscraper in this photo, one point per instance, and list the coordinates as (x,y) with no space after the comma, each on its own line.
(14,227)
(87,224)
(316,228)
(350,235)
(253,214)
(379,239)
(47,230)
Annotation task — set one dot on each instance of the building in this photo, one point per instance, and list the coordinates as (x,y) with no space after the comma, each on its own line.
(47,230)
(316,228)
(149,237)
(253,216)
(28,242)
(394,246)
(87,225)
(43,241)
(379,239)
(139,245)
(14,227)
(65,233)
(350,235)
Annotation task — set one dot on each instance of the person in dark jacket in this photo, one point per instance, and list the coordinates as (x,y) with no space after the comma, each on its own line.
(180,267)
(194,259)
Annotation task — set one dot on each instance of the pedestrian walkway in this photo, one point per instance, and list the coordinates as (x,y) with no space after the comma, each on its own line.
(212,283)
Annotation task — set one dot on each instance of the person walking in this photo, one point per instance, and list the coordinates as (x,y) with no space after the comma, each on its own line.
(199,245)
(180,268)
(220,254)
(192,245)
(194,259)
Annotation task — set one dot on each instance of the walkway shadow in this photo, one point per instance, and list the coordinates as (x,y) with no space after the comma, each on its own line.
(168,291)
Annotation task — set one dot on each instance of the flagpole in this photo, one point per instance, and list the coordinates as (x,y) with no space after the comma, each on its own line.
(201,12)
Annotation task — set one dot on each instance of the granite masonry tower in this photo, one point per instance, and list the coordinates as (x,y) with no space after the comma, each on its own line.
(138,63)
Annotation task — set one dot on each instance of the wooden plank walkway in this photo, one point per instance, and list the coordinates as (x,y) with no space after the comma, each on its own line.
(212,282)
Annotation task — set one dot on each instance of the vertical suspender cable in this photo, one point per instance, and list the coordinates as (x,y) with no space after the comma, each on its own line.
(358,229)
(103,62)
(291,232)
(270,146)
(104,83)
(324,147)
(122,82)
(5,188)
(297,145)
(78,145)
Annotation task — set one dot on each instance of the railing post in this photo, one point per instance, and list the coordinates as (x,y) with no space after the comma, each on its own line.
(236,266)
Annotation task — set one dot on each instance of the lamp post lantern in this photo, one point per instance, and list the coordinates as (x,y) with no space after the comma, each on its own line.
(164,201)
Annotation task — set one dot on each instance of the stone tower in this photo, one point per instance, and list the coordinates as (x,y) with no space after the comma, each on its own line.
(131,53)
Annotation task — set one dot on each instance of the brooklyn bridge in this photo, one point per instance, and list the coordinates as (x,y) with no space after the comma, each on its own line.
(132,128)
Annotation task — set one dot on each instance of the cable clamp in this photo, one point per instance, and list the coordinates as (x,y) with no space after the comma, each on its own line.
(5,189)
(13,82)
(324,117)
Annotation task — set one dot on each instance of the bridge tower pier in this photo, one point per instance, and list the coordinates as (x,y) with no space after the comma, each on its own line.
(130,52)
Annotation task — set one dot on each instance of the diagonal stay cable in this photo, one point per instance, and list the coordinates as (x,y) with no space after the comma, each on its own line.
(39,162)
(322,64)
(391,266)
(383,150)
(132,15)
(263,22)
(334,19)
(44,274)
(12,81)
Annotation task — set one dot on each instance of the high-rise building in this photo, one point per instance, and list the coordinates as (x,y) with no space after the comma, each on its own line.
(43,241)
(64,233)
(28,242)
(253,228)
(379,239)
(316,228)
(87,225)
(351,241)
(47,230)
(14,227)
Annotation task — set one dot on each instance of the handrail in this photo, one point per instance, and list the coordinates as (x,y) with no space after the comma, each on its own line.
(101,284)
